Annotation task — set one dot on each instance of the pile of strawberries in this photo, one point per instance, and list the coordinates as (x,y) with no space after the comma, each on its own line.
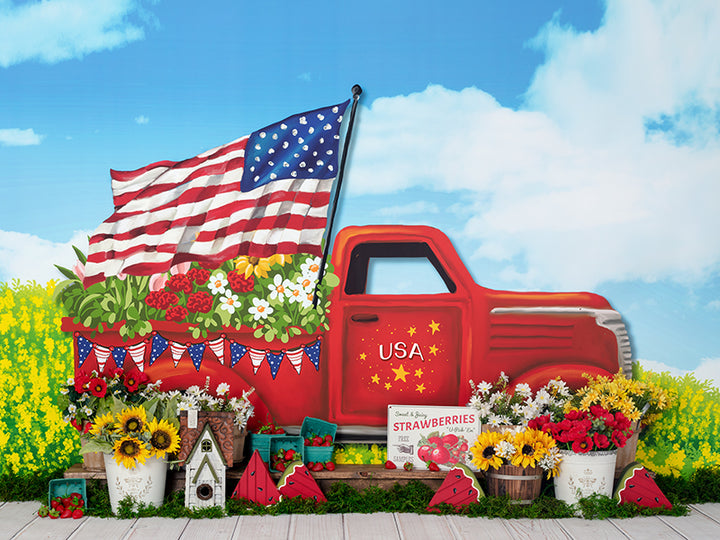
(319,440)
(270,429)
(319,466)
(282,458)
(71,506)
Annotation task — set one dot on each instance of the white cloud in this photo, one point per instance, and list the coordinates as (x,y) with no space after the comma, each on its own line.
(28,257)
(418,207)
(608,173)
(56,30)
(19,137)
(708,370)
(142,119)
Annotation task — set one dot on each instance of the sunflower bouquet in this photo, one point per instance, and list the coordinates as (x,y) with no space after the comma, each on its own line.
(499,404)
(524,448)
(132,435)
(636,400)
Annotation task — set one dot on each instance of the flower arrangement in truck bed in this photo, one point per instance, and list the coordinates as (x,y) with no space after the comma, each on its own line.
(132,434)
(585,431)
(637,400)
(272,296)
(498,404)
(201,399)
(526,447)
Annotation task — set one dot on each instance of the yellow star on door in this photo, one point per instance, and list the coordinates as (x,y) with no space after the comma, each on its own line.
(420,387)
(433,350)
(419,372)
(363,356)
(388,386)
(434,326)
(400,373)
(375,379)
(412,331)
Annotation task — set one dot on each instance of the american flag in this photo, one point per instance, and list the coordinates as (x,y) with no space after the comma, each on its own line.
(262,194)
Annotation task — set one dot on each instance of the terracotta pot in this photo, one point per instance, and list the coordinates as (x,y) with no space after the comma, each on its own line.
(238,444)
(522,484)
(582,475)
(626,454)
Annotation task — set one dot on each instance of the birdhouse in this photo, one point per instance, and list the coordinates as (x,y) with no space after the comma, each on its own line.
(205,472)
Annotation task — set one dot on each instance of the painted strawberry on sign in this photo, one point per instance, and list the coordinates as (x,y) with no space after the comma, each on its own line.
(442,449)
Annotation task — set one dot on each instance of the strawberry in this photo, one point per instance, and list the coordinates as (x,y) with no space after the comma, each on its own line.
(390,465)
(280,466)
(43,511)
(317,440)
(433,466)
(78,513)
(289,455)
(54,514)
(330,466)
(328,440)
(408,466)
(317,467)
(310,465)
(308,441)
(67,513)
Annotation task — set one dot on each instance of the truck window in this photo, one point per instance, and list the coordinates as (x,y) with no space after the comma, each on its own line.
(396,268)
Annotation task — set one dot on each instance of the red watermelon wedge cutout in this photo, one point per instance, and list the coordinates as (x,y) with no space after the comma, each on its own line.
(297,481)
(255,484)
(636,486)
(459,488)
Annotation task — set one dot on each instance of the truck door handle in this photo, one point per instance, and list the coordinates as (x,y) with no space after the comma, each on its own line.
(364,317)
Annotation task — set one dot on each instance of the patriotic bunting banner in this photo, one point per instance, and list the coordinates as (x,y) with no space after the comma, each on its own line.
(84,347)
(196,351)
(119,354)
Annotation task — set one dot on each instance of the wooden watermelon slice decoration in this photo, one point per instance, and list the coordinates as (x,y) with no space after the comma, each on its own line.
(297,481)
(638,487)
(255,484)
(459,488)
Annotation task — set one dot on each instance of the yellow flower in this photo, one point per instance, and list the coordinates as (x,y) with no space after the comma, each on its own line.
(102,421)
(483,451)
(532,444)
(164,438)
(132,419)
(129,451)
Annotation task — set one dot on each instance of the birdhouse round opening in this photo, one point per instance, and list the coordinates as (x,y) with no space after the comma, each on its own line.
(204,492)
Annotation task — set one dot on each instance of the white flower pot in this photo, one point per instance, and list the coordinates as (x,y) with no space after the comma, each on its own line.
(581,475)
(145,483)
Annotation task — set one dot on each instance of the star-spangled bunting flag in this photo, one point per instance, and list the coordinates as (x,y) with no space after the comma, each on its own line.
(84,346)
(295,356)
(118,354)
(137,353)
(262,194)
(101,355)
(217,346)
(256,357)
(313,353)
(196,351)
(237,351)
(159,344)
(274,360)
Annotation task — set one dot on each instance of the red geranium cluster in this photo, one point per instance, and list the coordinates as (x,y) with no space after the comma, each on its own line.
(161,299)
(583,431)
(182,285)
(240,283)
(200,301)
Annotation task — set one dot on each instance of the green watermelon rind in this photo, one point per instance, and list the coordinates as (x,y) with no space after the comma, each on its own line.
(302,477)
(459,475)
(622,487)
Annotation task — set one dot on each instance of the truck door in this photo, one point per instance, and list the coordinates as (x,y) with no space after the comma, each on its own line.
(403,335)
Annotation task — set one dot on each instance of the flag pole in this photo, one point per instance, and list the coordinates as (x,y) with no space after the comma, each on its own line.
(356,91)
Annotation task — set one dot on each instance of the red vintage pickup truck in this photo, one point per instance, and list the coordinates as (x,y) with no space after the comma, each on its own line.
(395,346)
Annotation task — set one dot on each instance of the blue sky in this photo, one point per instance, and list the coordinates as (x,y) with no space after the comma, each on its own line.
(562,145)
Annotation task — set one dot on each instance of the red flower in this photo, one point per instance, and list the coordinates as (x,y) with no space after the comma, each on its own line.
(199,275)
(74,423)
(180,282)
(87,426)
(601,441)
(239,283)
(134,379)
(82,380)
(618,438)
(161,299)
(540,422)
(176,313)
(582,446)
(200,301)
(98,387)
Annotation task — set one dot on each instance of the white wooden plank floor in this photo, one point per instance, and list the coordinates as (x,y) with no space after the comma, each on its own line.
(18,520)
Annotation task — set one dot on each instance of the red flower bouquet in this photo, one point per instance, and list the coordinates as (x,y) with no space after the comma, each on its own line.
(583,431)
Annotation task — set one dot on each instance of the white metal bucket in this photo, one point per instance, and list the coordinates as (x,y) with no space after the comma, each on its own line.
(145,483)
(581,475)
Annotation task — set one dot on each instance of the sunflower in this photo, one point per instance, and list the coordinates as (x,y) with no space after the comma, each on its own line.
(532,444)
(101,421)
(132,419)
(483,451)
(128,451)
(253,265)
(164,438)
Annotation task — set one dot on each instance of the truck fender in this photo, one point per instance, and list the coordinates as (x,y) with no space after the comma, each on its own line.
(572,374)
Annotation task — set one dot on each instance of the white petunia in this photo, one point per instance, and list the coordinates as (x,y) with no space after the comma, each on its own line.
(217,283)
(229,302)
(260,309)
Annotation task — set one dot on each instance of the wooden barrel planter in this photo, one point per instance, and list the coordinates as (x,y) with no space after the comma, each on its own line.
(521,484)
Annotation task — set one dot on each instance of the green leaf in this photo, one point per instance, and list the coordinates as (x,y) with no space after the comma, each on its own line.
(87,322)
(80,255)
(195,332)
(63,288)
(287,318)
(270,335)
(112,318)
(284,337)
(133,313)
(67,273)
(331,280)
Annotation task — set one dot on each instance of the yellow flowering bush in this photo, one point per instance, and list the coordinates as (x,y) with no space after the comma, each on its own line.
(687,435)
(636,399)
(35,361)
(359,454)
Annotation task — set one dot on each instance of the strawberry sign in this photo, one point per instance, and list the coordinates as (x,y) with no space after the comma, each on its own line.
(435,438)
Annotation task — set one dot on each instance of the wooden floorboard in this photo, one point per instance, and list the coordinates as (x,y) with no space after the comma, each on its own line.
(18,520)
